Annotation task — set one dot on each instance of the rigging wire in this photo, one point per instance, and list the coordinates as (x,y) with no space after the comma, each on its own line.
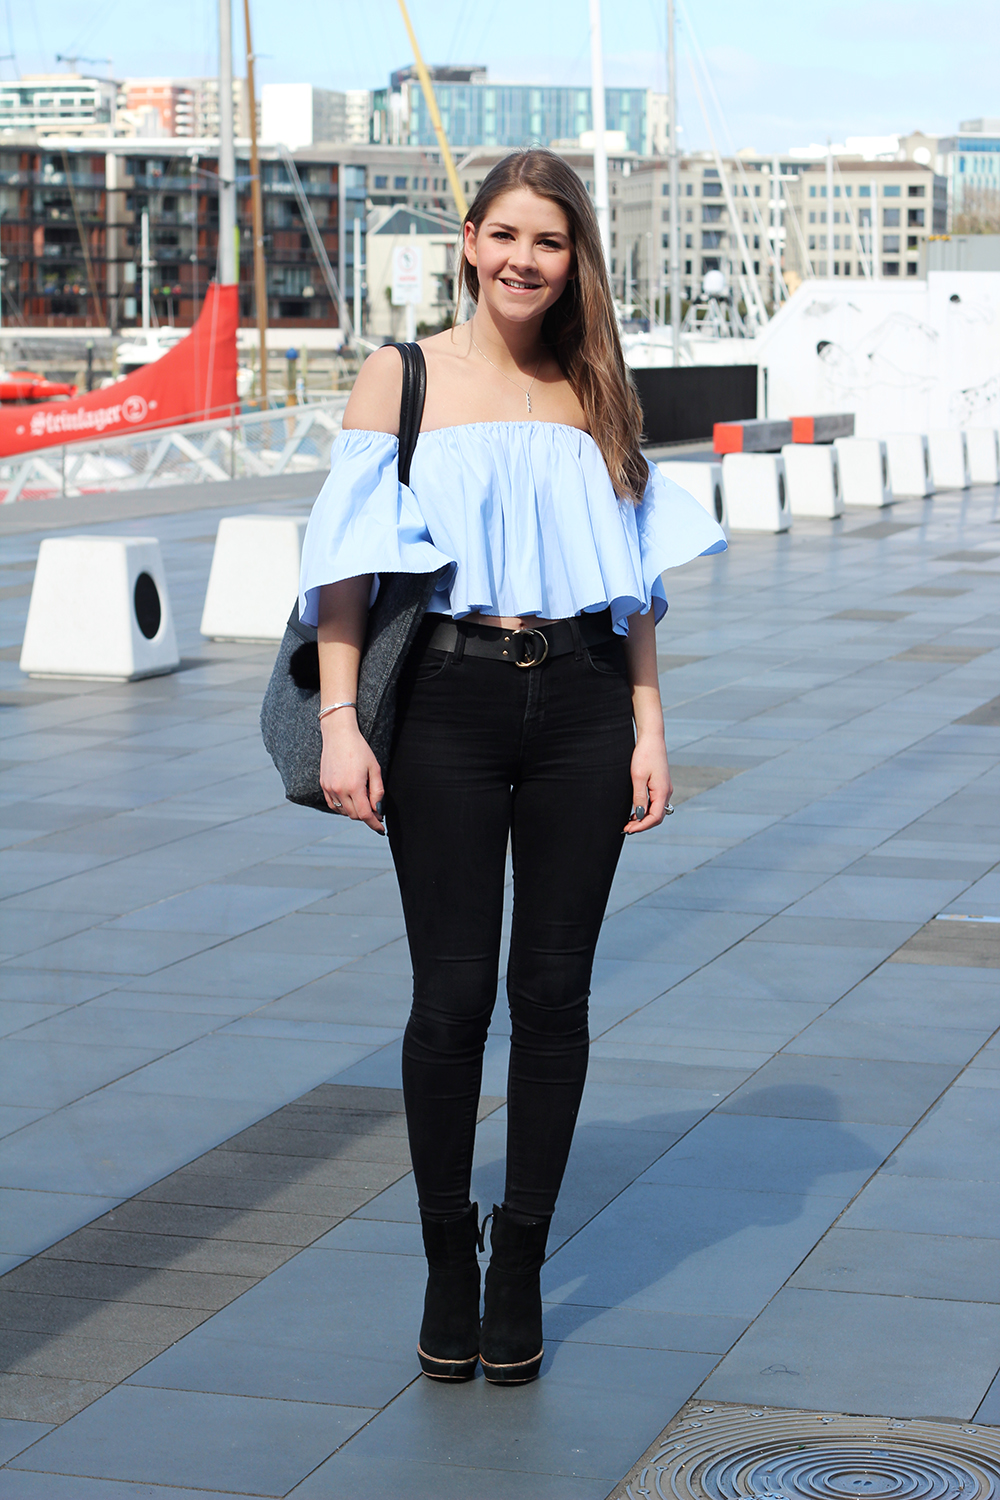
(10,42)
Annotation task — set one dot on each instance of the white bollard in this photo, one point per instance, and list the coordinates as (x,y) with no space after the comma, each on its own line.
(703,481)
(812,473)
(864,471)
(254,580)
(983,447)
(949,459)
(756,499)
(99,608)
(910,464)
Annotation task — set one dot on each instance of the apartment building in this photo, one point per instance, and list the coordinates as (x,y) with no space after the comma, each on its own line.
(59,104)
(53,278)
(876,223)
(969,161)
(478,112)
(709,241)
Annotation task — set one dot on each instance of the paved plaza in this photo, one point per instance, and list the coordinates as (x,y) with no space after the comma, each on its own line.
(785,1185)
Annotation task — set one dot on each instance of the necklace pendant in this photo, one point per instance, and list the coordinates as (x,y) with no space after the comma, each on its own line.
(527,397)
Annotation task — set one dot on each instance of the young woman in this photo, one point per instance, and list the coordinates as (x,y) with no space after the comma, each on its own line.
(529,710)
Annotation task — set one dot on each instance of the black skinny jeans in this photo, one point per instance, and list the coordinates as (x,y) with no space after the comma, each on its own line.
(486,751)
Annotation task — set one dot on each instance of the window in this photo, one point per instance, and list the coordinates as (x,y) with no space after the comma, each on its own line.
(836,217)
(890,218)
(812,242)
(711,239)
(812,216)
(822,245)
(666,216)
(912,243)
(687,268)
(711,190)
(916,190)
(812,190)
(756,241)
(756,190)
(614,266)
(864,192)
(836,268)
(836,245)
(822,217)
(614,241)
(689,242)
(711,213)
(911,268)
(746,216)
(666,242)
(836,194)
(689,216)
(664,189)
(847,268)
(890,268)
(894,191)
(400,182)
(915,218)
(890,244)
(381,182)
(689,190)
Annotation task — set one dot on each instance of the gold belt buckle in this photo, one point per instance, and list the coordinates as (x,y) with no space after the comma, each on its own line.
(535,660)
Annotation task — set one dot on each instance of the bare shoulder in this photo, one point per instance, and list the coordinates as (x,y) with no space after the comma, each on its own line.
(374,401)
(449,344)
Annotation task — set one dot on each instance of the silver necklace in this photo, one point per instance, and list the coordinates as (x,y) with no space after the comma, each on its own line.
(526,393)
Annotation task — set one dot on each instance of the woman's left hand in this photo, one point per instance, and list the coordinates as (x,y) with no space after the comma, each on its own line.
(651,784)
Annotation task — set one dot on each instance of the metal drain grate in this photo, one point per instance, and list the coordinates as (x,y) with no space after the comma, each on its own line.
(732,1452)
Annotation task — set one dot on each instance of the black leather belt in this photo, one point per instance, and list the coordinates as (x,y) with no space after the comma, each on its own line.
(525,647)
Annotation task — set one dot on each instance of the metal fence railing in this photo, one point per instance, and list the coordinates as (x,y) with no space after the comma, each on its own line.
(285,440)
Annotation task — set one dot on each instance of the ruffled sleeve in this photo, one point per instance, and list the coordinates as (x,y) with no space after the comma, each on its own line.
(363,521)
(673,528)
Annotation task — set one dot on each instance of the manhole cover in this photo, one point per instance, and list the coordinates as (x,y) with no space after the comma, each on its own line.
(758,1453)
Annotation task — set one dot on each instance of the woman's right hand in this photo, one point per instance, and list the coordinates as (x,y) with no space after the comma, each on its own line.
(349,775)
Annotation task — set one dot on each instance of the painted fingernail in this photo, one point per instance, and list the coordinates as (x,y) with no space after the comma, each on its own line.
(378,809)
(639,814)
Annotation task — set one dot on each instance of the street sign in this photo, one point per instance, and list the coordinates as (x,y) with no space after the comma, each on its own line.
(407,275)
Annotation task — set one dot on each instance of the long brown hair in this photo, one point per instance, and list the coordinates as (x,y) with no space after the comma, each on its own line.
(580,328)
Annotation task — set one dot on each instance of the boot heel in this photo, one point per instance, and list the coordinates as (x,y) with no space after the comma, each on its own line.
(448,1347)
(511,1347)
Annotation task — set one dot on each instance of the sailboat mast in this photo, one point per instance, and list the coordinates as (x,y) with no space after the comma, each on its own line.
(227,153)
(600,125)
(674,236)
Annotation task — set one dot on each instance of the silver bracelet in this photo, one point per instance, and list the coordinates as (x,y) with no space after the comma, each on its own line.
(332,709)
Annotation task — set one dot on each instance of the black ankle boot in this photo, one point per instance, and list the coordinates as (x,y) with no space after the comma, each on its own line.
(449,1334)
(511,1338)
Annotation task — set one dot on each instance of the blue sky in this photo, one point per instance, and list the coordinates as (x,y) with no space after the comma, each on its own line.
(786,73)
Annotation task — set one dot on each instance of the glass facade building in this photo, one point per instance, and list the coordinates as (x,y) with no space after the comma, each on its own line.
(514,114)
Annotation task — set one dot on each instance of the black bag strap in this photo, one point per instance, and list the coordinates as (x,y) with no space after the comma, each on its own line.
(411,411)
(411,404)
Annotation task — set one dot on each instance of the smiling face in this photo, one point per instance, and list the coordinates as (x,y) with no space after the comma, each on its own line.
(523,255)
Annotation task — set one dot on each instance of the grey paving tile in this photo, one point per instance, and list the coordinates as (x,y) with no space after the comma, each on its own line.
(58,1073)
(843,932)
(22,931)
(812,972)
(23,869)
(878,897)
(912,995)
(590,1408)
(30,1221)
(898,1263)
(831,1037)
(655,933)
(257,1447)
(884,1356)
(218,1008)
(155,1031)
(114,1144)
(840,1088)
(105,950)
(958,1136)
(388,1478)
(16,1014)
(16,1436)
(61,1356)
(250,976)
(224,1066)
(765,1154)
(703,1251)
(32,986)
(927,1205)
(643,1329)
(229,908)
(726,888)
(989,1412)
(45,1398)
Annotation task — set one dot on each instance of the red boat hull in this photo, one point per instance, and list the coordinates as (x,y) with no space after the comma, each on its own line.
(192,382)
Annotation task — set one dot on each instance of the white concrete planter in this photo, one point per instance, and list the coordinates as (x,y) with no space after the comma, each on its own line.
(983,447)
(864,472)
(756,495)
(99,608)
(949,459)
(254,579)
(813,477)
(910,464)
(703,481)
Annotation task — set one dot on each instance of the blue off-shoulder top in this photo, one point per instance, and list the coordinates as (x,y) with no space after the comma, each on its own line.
(523,513)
